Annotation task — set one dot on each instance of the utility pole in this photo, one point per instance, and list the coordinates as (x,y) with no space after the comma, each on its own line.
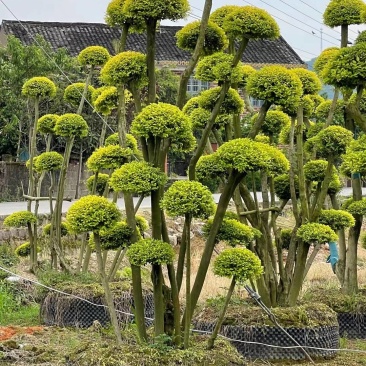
(321,40)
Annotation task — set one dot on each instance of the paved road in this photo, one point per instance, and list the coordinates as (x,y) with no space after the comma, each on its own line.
(7,208)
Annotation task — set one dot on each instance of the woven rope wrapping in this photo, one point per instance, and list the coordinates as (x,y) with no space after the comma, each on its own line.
(61,310)
(322,337)
(352,325)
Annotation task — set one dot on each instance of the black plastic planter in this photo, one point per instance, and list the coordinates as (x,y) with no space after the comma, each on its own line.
(319,337)
(352,325)
(65,311)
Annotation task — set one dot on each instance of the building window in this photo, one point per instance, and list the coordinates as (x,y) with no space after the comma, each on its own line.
(256,103)
(195,86)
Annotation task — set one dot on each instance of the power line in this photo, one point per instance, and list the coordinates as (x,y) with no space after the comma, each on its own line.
(53,61)
(193,330)
(295,26)
(318,11)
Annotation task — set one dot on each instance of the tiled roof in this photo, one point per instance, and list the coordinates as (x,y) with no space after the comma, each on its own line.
(76,36)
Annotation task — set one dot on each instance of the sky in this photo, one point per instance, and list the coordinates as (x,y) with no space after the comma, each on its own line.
(301,22)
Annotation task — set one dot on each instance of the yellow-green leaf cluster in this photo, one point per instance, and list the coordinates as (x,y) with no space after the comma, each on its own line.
(92,213)
(93,56)
(47,229)
(315,170)
(240,263)
(322,60)
(71,125)
(188,198)
(23,250)
(46,123)
(322,112)
(74,92)
(343,12)
(215,39)
(282,186)
(316,233)
(39,87)
(273,122)
(102,181)
(357,207)
(48,162)
(336,219)
(131,142)
(20,219)
(137,177)
(218,16)
(310,81)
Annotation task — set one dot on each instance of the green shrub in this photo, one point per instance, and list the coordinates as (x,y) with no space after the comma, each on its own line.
(48,162)
(114,237)
(345,12)
(71,125)
(92,213)
(74,92)
(315,170)
(93,56)
(150,251)
(336,219)
(47,229)
(310,81)
(137,177)
(116,16)
(361,38)
(131,142)
(141,223)
(23,250)
(188,198)
(20,219)
(276,85)
(191,105)
(232,103)
(39,87)
(165,121)
(102,181)
(215,38)
(126,68)
(357,207)
(107,100)
(250,22)
(240,263)
(232,232)
(282,186)
(286,238)
(273,122)
(316,233)
(108,157)
(322,60)
(46,123)
(218,16)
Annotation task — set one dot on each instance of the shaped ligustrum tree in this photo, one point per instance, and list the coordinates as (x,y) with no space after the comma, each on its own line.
(191,200)
(94,214)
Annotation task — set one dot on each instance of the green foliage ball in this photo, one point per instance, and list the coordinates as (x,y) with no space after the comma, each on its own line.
(188,198)
(165,121)
(116,16)
(131,142)
(158,9)
(74,92)
(322,60)
(273,122)
(344,12)
(106,101)
(93,56)
(310,81)
(46,123)
(126,68)
(361,38)
(215,38)
(354,161)
(23,250)
(108,157)
(47,229)
(286,238)
(137,177)
(102,181)
(231,231)
(245,72)
(336,219)
(71,125)
(218,16)
(150,251)
(315,170)
(347,68)
(191,105)
(332,141)
(276,85)
(282,186)
(250,22)
(92,213)
(316,233)
(357,207)
(322,112)
(335,185)
(208,170)
(218,67)
(141,223)
(20,219)
(49,161)
(114,237)
(240,263)
(232,103)
(39,87)
(308,106)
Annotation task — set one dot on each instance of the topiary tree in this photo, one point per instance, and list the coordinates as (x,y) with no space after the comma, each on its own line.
(100,182)
(240,265)
(94,214)
(156,253)
(192,200)
(25,219)
(323,110)
(45,126)
(74,92)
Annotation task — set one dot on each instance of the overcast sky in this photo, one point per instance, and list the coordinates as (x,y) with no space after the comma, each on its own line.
(300,21)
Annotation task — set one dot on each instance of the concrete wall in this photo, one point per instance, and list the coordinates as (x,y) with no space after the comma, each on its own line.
(13,175)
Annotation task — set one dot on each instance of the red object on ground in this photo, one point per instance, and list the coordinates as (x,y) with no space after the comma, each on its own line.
(9,332)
